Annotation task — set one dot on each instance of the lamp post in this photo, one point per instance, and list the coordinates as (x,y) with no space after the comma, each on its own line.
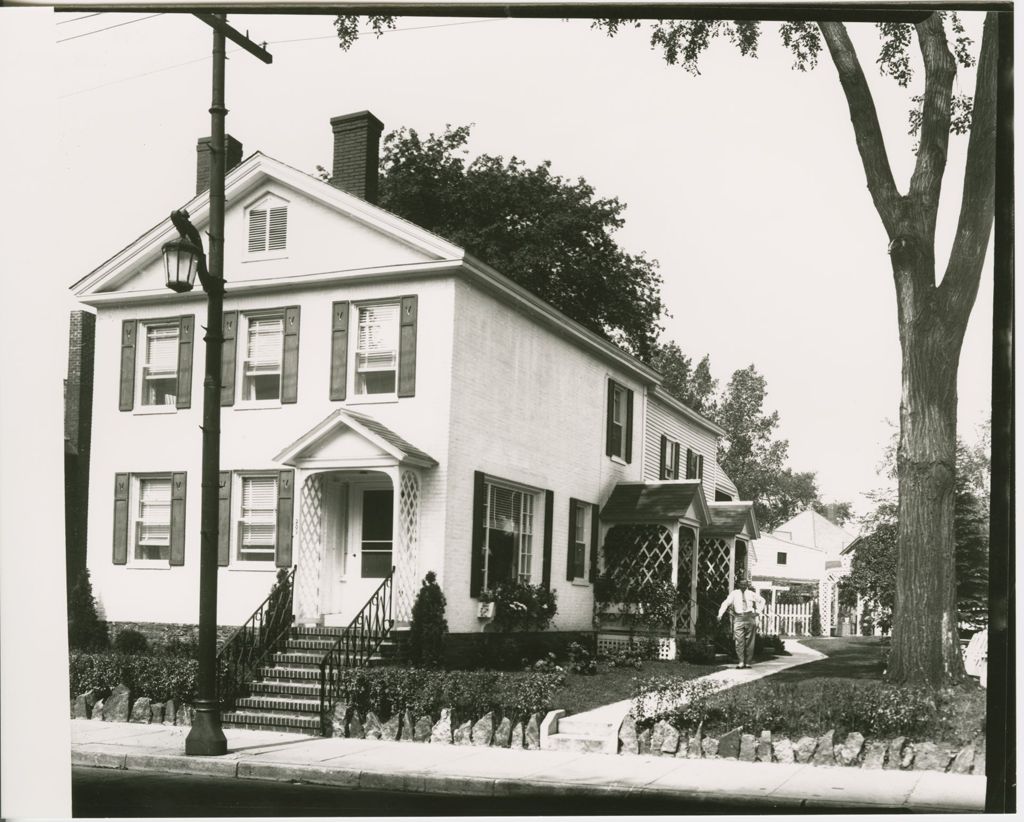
(183,260)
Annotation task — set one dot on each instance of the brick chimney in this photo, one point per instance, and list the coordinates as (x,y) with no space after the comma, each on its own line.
(232,157)
(356,154)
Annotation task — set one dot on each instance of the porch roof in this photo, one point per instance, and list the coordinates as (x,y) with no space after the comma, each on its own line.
(733,519)
(367,428)
(656,502)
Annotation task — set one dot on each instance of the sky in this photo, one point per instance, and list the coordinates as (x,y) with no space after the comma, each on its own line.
(744,183)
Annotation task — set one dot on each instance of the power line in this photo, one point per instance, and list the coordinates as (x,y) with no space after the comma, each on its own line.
(108,28)
(272,43)
(76,19)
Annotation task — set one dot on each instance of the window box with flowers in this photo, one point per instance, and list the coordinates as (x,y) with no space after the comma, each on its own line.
(519,606)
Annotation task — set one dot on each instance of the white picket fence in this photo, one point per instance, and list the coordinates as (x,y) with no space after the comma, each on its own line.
(786,620)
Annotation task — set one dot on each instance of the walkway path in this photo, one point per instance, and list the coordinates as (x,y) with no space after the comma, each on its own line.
(499,772)
(598,729)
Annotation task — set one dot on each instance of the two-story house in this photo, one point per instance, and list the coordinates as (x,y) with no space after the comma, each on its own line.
(388,402)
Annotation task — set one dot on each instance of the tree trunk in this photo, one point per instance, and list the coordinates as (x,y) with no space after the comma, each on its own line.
(925,644)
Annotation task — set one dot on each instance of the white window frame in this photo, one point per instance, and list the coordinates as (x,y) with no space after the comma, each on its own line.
(355,395)
(530,514)
(136,520)
(243,358)
(235,561)
(620,403)
(671,468)
(139,406)
(266,204)
(587,511)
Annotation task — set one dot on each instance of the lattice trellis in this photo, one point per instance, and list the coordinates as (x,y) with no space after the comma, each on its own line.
(408,545)
(651,555)
(311,549)
(827,599)
(713,568)
(685,576)
(609,644)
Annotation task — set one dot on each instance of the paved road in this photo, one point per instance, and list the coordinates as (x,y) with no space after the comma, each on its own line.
(103,792)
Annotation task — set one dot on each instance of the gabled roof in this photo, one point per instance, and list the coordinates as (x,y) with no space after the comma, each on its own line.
(370,429)
(811,528)
(445,259)
(655,502)
(732,519)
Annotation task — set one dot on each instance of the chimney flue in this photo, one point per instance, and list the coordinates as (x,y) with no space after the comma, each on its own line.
(232,157)
(356,154)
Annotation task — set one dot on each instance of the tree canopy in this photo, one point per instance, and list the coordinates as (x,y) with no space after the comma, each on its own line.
(551,235)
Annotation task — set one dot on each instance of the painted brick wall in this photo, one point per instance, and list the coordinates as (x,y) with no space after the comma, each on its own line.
(529,407)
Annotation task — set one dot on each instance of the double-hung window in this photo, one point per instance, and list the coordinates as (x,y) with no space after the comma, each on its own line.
(264,352)
(619,425)
(582,518)
(377,336)
(508,518)
(669,459)
(257,518)
(153,518)
(158,383)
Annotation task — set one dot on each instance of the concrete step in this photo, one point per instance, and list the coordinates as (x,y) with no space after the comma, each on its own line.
(584,727)
(578,743)
(295,659)
(261,720)
(278,704)
(283,687)
(289,674)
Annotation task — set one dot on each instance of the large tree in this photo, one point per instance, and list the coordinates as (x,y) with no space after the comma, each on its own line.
(932,312)
(551,235)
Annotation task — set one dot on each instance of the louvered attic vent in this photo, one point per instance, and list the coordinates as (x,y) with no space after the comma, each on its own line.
(268,228)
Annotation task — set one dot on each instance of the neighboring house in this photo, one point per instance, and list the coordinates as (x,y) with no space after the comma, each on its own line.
(801,558)
(388,402)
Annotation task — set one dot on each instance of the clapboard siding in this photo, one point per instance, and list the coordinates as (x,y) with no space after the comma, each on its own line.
(661,419)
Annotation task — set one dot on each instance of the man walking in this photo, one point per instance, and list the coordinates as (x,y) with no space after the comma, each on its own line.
(745,604)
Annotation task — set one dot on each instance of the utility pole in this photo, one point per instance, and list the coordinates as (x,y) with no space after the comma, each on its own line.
(206,737)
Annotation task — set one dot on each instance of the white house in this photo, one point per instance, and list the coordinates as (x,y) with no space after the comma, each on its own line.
(388,401)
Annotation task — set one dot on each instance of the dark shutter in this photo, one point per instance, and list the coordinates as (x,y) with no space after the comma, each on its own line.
(571,553)
(339,350)
(675,460)
(186,331)
(224,518)
(628,450)
(595,528)
(285,507)
(549,519)
(121,486)
(227,363)
(664,452)
(700,466)
(608,438)
(178,487)
(476,563)
(127,398)
(407,348)
(689,464)
(290,362)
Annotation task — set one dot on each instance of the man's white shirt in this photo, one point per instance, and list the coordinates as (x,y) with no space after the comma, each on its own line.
(742,602)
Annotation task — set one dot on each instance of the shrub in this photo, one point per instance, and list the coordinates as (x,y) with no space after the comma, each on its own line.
(816,619)
(470,694)
(130,641)
(182,647)
(634,655)
(769,644)
(657,697)
(547,663)
(580,660)
(699,651)
(158,677)
(86,631)
(519,606)
(428,628)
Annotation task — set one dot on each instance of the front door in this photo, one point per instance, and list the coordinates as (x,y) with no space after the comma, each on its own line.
(370,543)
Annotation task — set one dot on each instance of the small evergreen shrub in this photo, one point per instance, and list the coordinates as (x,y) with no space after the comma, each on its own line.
(816,620)
(428,628)
(158,677)
(130,641)
(470,694)
(86,631)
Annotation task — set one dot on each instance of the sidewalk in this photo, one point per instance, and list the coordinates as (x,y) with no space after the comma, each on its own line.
(449,769)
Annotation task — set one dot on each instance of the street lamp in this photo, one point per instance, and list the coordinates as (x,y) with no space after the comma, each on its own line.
(181,261)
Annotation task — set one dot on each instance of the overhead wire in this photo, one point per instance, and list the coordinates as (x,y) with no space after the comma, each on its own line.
(76,19)
(108,28)
(270,43)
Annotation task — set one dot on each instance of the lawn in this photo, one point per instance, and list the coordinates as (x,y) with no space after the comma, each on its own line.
(849,657)
(585,692)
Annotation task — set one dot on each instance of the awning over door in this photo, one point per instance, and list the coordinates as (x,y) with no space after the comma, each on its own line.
(641,502)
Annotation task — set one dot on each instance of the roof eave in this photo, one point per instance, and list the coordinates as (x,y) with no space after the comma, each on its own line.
(694,416)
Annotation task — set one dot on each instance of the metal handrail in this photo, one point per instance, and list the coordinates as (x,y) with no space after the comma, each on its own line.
(252,642)
(357,643)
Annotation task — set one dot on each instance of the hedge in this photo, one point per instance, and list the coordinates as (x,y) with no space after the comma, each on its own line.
(470,694)
(158,677)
